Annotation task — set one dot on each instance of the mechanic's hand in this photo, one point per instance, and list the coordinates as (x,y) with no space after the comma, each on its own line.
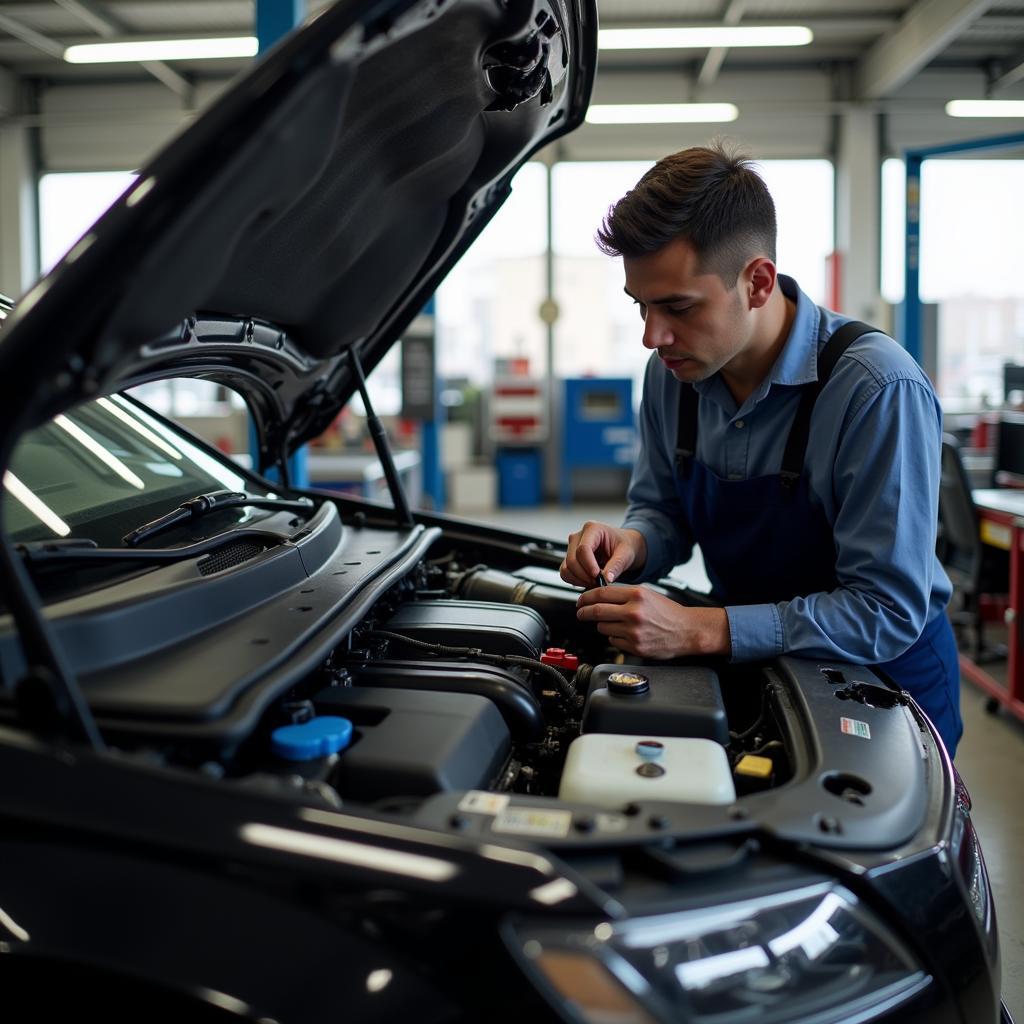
(597,547)
(639,621)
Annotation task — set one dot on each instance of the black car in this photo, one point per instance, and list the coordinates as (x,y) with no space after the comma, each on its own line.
(271,754)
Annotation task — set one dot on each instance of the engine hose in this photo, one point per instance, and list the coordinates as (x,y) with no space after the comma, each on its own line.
(556,604)
(566,688)
(517,705)
(738,737)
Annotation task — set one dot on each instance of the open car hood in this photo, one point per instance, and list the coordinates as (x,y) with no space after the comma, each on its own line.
(314,207)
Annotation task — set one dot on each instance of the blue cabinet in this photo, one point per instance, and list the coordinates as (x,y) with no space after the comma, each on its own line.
(598,428)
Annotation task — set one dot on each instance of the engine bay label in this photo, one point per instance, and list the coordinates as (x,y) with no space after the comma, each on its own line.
(533,821)
(854,727)
(478,801)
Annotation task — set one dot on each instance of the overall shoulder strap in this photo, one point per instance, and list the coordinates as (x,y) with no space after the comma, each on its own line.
(686,428)
(799,432)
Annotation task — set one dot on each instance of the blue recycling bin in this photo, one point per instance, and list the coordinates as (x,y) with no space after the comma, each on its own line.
(519,477)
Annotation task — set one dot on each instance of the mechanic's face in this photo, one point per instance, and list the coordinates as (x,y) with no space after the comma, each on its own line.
(691,319)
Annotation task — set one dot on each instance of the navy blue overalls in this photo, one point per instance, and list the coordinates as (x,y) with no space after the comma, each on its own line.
(764,540)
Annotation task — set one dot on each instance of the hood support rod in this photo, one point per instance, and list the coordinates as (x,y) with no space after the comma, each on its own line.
(382,446)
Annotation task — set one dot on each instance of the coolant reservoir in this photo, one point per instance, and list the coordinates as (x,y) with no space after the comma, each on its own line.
(660,700)
(612,770)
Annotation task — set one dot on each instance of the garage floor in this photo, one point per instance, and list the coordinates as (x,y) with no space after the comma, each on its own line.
(990,757)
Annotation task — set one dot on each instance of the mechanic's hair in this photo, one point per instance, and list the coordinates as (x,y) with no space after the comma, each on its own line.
(708,196)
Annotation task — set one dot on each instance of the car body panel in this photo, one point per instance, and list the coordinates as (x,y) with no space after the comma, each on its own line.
(315,206)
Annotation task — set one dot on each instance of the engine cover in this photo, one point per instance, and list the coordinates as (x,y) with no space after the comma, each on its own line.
(495,628)
(412,743)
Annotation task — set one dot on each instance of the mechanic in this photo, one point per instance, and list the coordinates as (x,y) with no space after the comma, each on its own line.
(800,454)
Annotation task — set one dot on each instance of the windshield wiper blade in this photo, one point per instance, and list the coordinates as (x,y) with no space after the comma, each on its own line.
(214,500)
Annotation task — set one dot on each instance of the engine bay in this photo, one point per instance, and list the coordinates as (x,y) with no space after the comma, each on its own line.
(440,673)
(515,686)
(469,677)
(480,704)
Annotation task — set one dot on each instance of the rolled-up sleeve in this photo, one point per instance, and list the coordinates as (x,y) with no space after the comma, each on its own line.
(755,631)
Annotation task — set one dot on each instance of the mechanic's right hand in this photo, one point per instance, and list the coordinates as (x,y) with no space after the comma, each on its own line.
(598,547)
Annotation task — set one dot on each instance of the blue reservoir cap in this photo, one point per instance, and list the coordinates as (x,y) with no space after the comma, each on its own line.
(318,737)
(650,750)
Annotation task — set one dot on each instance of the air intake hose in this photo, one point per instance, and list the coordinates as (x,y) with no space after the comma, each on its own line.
(553,603)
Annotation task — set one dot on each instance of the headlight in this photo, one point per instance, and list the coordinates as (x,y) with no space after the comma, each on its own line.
(970,864)
(812,954)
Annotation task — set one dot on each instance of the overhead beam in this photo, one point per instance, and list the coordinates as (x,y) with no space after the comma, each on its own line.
(716,55)
(29,35)
(1011,72)
(174,80)
(103,23)
(923,33)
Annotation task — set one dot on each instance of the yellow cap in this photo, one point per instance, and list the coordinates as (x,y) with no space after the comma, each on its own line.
(755,767)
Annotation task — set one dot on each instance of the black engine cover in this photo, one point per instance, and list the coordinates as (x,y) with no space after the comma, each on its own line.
(413,743)
(494,628)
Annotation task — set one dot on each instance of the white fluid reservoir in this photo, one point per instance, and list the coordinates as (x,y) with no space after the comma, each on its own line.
(611,770)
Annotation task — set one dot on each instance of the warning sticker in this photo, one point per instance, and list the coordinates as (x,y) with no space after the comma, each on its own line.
(533,821)
(854,727)
(477,801)
(611,823)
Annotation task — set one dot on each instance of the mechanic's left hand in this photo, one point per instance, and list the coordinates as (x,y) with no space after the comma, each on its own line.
(639,621)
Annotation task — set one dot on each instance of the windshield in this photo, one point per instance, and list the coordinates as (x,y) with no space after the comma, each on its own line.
(101,469)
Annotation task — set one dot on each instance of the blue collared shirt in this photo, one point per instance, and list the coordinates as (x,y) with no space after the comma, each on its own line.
(872,466)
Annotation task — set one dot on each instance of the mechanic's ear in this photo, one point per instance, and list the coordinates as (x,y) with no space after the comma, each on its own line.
(759,276)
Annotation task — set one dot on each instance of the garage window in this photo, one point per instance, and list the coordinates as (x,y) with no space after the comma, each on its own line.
(971,221)
(69,203)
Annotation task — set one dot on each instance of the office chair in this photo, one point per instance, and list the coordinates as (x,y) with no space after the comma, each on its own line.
(975,569)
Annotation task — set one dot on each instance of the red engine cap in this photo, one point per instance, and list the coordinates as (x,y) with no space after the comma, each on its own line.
(556,656)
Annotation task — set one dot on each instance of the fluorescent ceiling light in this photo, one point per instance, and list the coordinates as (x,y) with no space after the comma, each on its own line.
(145,432)
(985,108)
(703,38)
(90,443)
(661,113)
(161,49)
(44,514)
